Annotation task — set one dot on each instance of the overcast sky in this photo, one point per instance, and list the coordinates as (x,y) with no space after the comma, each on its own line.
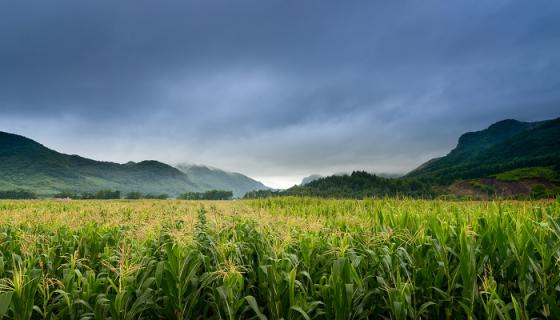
(274,89)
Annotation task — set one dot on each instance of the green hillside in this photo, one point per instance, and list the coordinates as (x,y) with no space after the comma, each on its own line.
(360,184)
(26,164)
(546,173)
(510,158)
(212,178)
(504,146)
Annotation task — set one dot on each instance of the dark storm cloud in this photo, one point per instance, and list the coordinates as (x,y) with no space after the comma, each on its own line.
(274,88)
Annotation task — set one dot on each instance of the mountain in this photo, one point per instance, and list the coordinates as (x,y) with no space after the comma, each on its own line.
(504,146)
(26,164)
(212,178)
(510,158)
(310,178)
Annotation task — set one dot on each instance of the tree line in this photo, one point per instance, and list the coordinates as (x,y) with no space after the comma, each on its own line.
(108,194)
(17,194)
(101,194)
(357,185)
(207,195)
(360,185)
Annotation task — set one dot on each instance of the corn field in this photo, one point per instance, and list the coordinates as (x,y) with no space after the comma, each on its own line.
(279,258)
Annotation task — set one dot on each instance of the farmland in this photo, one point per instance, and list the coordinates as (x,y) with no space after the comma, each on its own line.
(290,258)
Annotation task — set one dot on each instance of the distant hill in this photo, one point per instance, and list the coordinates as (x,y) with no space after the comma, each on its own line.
(310,178)
(510,158)
(360,184)
(504,146)
(212,178)
(315,177)
(26,164)
(29,165)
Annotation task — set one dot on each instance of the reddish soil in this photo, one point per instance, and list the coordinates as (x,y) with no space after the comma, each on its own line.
(503,188)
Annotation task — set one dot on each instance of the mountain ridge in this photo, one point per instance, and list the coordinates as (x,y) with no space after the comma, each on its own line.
(28,164)
(216,178)
(503,146)
(509,158)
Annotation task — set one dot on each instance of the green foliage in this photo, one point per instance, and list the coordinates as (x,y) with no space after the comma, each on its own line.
(17,194)
(488,189)
(538,191)
(262,194)
(258,194)
(135,195)
(162,196)
(546,173)
(358,185)
(207,195)
(67,195)
(101,194)
(27,164)
(504,146)
(371,259)
(510,150)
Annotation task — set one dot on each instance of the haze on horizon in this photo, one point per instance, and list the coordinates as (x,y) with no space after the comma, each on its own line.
(274,89)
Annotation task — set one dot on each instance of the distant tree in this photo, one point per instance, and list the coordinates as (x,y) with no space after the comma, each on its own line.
(17,194)
(67,195)
(108,194)
(162,196)
(261,194)
(357,185)
(102,194)
(134,195)
(208,195)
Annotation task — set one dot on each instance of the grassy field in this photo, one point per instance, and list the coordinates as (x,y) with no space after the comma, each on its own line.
(281,258)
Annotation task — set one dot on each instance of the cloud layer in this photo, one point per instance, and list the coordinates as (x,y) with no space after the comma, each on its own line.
(274,89)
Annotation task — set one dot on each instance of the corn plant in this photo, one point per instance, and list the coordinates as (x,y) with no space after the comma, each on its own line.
(280,258)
